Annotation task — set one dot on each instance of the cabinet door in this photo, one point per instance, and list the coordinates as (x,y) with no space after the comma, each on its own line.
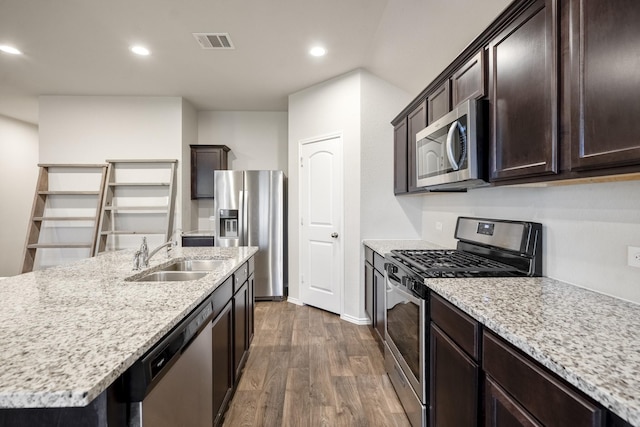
(502,410)
(222,361)
(439,102)
(252,306)
(378,286)
(453,383)
(469,81)
(205,159)
(416,121)
(400,158)
(605,82)
(240,327)
(368,291)
(523,95)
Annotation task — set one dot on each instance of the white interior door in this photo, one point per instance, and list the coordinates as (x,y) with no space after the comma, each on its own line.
(321,211)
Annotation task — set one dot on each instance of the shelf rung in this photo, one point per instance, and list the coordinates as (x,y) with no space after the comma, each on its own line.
(68,166)
(70,193)
(143,161)
(64,218)
(136,208)
(138,184)
(58,245)
(128,232)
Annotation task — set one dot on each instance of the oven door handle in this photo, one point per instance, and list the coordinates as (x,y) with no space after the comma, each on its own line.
(395,288)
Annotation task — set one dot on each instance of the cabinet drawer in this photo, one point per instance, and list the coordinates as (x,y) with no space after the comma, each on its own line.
(368,255)
(222,295)
(240,276)
(460,327)
(378,262)
(545,397)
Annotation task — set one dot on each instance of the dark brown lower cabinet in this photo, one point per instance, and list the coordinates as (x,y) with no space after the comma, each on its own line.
(374,291)
(538,393)
(252,305)
(222,333)
(240,327)
(502,410)
(378,286)
(454,383)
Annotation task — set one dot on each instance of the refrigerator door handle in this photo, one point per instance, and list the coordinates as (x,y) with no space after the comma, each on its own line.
(244,220)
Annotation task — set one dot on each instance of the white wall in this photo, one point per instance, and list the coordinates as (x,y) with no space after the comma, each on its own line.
(383,216)
(257,139)
(360,106)
(93,129)
(327,108)
(587,228)
(18,176)
(189,136)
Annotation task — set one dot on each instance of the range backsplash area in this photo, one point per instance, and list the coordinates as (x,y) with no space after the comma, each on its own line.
(587,227)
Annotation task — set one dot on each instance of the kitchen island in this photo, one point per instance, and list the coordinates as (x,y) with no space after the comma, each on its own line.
(69,332)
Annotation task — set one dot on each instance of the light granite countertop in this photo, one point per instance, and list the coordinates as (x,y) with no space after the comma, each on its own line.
(385,246)
(68,332)
(589,339)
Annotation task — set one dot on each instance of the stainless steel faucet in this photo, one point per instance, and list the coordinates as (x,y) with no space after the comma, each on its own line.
(169,245)
(142,256)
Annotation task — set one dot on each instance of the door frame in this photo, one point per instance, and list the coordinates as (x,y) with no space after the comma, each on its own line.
(333,135)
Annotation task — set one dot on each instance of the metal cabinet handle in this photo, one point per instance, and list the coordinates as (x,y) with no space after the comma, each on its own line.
(334,235)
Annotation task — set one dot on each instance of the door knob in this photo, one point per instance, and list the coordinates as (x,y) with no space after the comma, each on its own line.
(334,235)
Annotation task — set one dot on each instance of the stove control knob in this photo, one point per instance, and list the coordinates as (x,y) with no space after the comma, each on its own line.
(391,269)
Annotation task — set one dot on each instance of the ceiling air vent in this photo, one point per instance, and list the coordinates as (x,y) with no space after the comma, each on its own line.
(214,40)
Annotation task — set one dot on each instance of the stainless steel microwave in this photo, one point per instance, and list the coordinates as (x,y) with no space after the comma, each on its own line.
(449,151)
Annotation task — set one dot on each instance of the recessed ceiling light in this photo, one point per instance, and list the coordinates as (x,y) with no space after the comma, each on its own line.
(140,50)
(318,51)
(10,49)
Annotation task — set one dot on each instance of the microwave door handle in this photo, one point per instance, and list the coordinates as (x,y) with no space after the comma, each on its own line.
(449,146)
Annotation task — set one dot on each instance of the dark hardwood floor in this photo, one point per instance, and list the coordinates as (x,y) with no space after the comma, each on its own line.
(307,367)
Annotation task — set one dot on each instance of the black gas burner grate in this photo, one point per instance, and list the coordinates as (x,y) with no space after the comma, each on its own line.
(452,263)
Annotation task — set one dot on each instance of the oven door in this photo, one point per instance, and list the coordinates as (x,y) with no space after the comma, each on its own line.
(405,330)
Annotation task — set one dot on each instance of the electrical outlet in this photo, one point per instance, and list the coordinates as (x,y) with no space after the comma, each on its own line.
(438,226)
(633,256)
(212,218)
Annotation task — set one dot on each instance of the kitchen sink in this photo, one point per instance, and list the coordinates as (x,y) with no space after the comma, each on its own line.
(172,276)
(193,265)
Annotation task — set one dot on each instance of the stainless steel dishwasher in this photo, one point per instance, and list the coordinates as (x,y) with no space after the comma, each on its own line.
(171,385)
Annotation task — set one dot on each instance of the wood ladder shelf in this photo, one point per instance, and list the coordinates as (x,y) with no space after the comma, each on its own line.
(42,204)
(129,196)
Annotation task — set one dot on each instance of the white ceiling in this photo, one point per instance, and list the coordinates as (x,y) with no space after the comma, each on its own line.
(80,47)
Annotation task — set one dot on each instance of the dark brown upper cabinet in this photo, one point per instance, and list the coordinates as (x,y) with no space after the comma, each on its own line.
(204,160)
(469,82)
(523,95)
(439,102)
(604,67)
(400,179)
(416,121)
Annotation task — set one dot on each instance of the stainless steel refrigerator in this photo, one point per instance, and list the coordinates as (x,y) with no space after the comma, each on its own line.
(250,209)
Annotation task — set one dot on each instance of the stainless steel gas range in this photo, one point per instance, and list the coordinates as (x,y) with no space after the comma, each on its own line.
(485,248)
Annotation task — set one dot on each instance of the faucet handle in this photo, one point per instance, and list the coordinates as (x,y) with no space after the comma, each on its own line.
(136,260)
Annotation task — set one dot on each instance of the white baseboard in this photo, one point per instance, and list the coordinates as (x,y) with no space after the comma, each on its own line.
(356,320)
(295,301)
